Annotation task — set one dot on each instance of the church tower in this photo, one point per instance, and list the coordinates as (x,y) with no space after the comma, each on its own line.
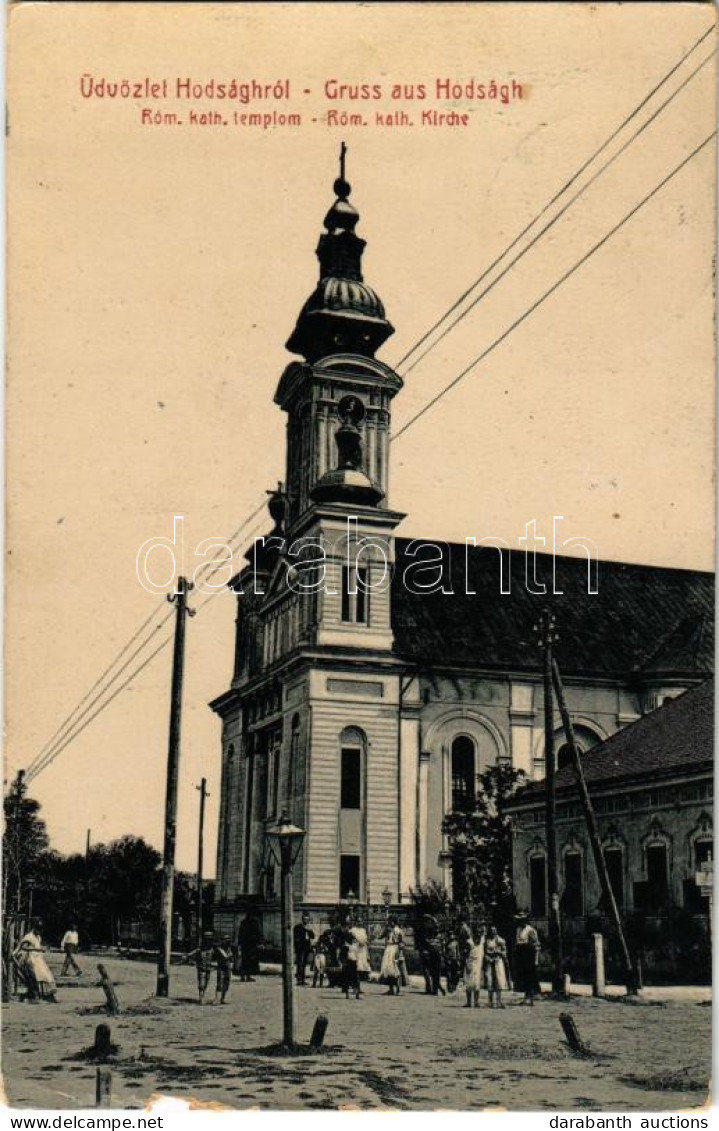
(311,722)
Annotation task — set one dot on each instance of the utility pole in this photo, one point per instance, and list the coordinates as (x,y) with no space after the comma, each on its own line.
(547,636)
(202,787)
(87,844)
(179,599)
(600,863)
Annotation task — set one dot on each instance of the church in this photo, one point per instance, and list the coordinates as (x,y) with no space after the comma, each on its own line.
(365,699)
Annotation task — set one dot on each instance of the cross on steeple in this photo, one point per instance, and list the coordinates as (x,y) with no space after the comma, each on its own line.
(343,151)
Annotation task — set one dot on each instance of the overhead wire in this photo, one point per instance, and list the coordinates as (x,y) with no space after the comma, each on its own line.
(560,192)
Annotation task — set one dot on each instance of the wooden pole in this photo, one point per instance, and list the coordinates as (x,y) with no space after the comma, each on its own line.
(546,629)
(179,598)
(288,956)
(202,787)
(113,1004)
(600,863)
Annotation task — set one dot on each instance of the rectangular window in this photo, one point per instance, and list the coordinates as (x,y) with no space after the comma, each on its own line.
(573,897)
(346,606)
(538,887)
(657,877)
(355,605)
(349,877)
(614,859)
(351,782)
(362,595)
(276,778)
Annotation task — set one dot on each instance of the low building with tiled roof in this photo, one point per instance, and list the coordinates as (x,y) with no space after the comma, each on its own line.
(651,789)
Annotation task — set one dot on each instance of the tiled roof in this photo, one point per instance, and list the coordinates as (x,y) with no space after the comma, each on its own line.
(676,737)
(644,620)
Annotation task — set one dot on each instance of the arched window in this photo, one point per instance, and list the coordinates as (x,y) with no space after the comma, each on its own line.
(537,866)
(614,860)
(657,861)
(351,768)
(353,754)
(564,755)
(355,594)
(573,896)
(463,774)
(584,737)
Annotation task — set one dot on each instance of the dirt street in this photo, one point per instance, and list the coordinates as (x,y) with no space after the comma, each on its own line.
(411,1052)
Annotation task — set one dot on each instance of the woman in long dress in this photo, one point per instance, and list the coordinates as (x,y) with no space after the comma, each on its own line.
(474,972)
(30,956)
(526,959)
(364,966)
(495,967)
(390,969)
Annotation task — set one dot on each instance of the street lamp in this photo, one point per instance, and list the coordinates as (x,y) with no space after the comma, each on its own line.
(285,842)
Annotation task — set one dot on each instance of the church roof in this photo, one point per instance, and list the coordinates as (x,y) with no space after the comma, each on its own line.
(676,737)
(645,621)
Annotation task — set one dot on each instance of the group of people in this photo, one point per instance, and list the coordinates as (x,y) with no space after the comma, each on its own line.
(478,958)
(340,954)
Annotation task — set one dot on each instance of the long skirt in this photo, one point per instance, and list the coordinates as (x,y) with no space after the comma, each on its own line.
(527,981)
(495,975)
(363,960)
(39,974)
(389,970)
(473,974)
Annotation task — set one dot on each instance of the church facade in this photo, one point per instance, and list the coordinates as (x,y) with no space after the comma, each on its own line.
(370,684)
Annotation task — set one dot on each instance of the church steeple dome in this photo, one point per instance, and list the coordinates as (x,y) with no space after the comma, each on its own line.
(343,314)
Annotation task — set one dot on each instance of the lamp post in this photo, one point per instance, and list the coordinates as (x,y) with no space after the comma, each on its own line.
(285,841)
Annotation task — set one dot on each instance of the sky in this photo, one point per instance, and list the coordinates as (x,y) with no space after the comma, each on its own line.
(155,273)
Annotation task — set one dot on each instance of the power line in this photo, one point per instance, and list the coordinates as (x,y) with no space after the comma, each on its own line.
(230,540)
(64,724)
(34,765)
(553,200)
(535,239)
(56,742)
(42,763)
(70,738)
(555,286)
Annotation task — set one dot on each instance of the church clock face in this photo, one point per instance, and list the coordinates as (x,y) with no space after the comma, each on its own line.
(351,410)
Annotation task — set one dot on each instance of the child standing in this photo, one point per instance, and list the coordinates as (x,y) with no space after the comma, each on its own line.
(203,964)
(223,957)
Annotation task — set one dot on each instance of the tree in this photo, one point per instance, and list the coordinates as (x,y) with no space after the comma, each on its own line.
(24,843)
(123,884)
(480,844)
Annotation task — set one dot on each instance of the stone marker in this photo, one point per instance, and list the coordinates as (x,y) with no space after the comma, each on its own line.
(599,984)
(572,1034)
(102,1047)
(318,1032)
